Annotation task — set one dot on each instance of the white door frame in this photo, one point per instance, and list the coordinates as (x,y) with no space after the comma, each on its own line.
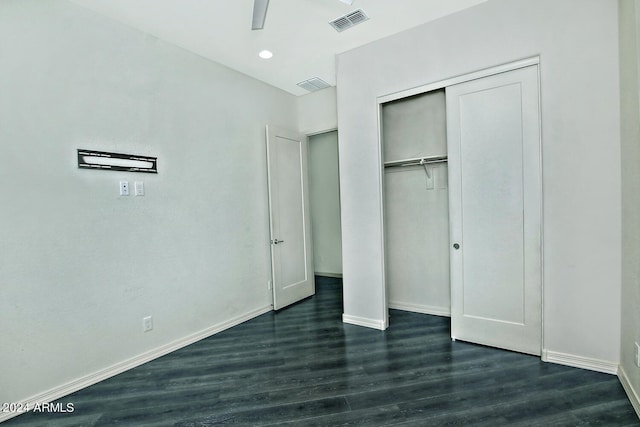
(440,85)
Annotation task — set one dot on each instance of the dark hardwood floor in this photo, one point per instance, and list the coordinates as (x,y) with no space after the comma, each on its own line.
(303,366)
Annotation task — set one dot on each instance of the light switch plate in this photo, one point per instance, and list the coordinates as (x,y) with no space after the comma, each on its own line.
(147,324)
(430,178)
(139,188)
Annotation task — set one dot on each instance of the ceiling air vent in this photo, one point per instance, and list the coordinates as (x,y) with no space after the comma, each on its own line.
(314,84)
(349,20)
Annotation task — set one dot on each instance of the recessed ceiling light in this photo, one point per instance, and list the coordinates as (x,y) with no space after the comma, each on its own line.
(265,54)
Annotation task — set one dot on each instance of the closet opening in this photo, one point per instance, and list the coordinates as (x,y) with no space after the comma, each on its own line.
(416,203)
(463,237)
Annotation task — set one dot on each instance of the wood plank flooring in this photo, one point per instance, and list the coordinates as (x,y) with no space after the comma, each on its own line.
(302,366)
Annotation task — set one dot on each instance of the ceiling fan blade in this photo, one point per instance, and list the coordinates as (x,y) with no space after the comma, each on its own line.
(259,14)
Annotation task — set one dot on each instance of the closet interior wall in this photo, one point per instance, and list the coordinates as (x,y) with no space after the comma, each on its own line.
(416,205)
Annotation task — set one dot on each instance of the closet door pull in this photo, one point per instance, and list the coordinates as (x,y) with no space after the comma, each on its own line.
(456,246)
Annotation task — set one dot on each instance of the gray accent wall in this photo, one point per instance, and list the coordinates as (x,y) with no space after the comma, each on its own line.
(80,266)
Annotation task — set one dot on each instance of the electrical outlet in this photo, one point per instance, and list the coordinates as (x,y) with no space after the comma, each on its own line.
(147,324)
(637,355)
(124,188)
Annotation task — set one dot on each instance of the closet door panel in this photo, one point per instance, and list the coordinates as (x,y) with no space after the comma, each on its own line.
(495,210)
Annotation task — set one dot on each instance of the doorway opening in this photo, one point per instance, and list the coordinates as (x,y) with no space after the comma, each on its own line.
(324,201)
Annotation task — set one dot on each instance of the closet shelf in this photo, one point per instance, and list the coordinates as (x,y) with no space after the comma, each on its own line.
(418,161)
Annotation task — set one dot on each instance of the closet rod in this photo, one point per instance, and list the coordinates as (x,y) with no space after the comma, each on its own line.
(416,161)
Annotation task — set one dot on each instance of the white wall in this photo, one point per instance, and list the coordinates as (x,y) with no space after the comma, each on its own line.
(630,109)
(80,265)
(317,111)
(578,45)
(324,200)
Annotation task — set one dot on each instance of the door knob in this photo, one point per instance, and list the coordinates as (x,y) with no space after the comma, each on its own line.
(456,246)
(276,241)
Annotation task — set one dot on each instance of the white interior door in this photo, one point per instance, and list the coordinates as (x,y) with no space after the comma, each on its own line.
(493,132)
(291,246)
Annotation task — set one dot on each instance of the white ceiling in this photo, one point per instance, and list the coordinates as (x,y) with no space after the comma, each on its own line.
(296,31)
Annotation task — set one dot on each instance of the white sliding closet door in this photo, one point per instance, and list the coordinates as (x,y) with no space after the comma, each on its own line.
(493,135)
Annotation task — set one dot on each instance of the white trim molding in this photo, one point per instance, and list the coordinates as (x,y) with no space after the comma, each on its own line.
(93,378)
(580,362)
(363,321)
(503,68)
(420,308)
(333,275)
(628,388)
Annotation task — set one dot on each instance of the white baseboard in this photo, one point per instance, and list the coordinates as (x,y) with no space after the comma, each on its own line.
(420,308)
(363,321)
(88,380)
(335,275)
(580,362)
(628,388)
